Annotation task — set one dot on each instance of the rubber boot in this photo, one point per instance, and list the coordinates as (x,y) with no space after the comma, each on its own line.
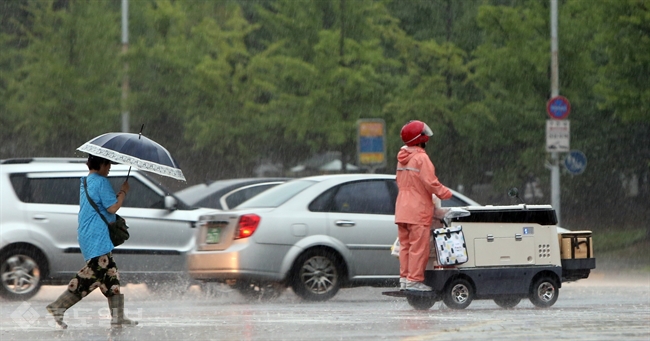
(63,303)
(116,304)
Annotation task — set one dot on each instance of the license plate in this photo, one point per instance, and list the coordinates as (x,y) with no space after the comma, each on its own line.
(213,236)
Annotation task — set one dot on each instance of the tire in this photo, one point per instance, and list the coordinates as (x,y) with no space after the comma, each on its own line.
(507,302)
(317,275)
(544,292)
(260,291)
(21,272)
(421,303)
(458,293)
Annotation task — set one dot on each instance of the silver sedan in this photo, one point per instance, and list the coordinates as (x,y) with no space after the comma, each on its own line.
(315,234)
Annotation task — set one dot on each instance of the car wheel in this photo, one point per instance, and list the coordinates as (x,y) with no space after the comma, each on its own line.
(544,292)
(458,293)
(21,271)
(421,302)
(317,275)
(262,291)
(507,302)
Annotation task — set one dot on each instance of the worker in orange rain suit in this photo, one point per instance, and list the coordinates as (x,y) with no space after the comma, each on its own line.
(417,182)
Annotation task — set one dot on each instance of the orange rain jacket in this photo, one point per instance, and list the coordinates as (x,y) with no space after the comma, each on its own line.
(417,181)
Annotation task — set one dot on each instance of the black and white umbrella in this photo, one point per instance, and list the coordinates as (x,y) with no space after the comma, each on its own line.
(134,150)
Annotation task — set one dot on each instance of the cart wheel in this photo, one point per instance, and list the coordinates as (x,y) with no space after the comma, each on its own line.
(421,303)
(507,302)
(544,292)
(458,293)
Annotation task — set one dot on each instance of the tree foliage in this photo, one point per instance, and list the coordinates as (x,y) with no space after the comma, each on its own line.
(227,85)
(63,83)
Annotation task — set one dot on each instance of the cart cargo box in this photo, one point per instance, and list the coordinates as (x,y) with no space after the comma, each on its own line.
(576,245)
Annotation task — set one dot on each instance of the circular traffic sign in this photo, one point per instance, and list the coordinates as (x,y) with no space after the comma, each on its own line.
(575,162)
(558,107)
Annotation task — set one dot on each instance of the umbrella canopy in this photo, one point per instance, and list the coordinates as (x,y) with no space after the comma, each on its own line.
(134,150)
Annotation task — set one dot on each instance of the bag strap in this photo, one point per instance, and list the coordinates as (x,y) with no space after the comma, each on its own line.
(93,203)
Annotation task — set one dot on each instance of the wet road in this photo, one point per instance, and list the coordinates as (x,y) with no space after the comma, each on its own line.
(603,307)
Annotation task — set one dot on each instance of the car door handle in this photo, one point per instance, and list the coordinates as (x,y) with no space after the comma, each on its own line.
(39,217)
(345,223)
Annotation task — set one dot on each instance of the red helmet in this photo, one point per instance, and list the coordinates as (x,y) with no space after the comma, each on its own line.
(415,132)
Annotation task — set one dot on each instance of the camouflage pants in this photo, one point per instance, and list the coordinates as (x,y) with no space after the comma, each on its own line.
(99,272)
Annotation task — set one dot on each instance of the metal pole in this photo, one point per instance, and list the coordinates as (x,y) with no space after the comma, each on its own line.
(125,77)
(555,91)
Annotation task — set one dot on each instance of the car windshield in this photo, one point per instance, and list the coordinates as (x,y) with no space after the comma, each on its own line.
(277,195)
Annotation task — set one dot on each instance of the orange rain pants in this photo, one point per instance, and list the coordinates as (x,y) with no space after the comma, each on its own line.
(413,250)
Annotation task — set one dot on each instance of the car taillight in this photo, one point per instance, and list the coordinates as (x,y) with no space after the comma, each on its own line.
(247,225)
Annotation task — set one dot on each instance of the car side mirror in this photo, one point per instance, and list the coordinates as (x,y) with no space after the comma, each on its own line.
(170,203)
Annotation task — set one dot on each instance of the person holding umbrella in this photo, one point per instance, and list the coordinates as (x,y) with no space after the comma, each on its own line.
(100,270)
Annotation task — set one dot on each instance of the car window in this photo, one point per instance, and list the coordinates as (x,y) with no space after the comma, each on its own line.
(323,203)
(234,199)
(277,195)
(140,195)
(371,197)
(61,191)
(211,201)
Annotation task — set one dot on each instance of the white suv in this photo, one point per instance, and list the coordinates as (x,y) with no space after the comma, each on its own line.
(39,203)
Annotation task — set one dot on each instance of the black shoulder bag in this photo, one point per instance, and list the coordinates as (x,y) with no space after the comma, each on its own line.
(117,230)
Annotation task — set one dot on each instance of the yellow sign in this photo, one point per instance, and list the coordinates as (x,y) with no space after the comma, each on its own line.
(371,150)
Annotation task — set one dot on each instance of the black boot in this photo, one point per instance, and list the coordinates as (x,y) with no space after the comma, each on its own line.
(58,307)
(116,304)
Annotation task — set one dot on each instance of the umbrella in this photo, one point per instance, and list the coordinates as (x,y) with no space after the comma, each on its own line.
(134,150)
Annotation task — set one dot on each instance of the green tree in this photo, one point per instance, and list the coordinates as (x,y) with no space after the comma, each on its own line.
(343,47)
(188,71)
(611,125)
(511,67)
(64,88)
(440,20)
(624,30)
(440,87)
(512,70)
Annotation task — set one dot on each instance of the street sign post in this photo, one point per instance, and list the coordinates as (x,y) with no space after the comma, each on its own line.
(575,162)
(558,135)
(558,107)
(371,146)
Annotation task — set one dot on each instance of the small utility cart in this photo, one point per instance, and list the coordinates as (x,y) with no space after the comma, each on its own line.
(513,252)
